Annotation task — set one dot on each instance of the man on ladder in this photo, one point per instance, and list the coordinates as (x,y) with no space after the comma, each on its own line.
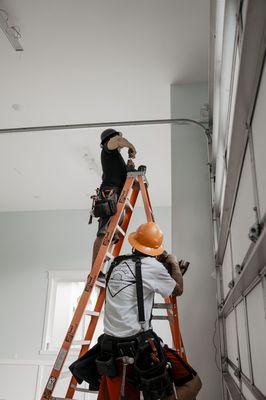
(113,178)
(131,356)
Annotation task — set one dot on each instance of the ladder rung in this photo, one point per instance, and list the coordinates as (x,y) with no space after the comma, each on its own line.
(163,306)
(81,342)
(161,317)
(134,174)
(118,228)
(61,398)
(129,205)
(92,313)
(109,255)
(83,389)
(99,283)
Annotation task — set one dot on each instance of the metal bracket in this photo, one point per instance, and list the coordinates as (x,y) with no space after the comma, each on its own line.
(231,284)
(224,363)
(237,373)
(254,232)
(238,269)
(220,305)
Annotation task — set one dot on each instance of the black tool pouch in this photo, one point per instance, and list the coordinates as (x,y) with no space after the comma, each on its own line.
(106,367)
(84,369)
(153,378)
(158,387)
(105,207)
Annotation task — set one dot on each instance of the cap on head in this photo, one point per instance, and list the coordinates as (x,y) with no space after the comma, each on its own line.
(108,134)
(147,239)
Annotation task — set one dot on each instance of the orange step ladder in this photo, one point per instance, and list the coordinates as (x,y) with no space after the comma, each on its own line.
(136,182)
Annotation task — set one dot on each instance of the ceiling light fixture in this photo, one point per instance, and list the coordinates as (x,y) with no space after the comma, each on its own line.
(11,32)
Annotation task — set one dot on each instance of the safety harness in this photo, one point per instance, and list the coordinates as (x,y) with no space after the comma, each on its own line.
(143,350)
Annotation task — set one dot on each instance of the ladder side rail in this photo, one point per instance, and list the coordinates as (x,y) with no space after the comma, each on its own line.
(148,195)
(89,335)
(174,324)
(58,365)
(127,217)
(184,356)
(116,251)
(146,200)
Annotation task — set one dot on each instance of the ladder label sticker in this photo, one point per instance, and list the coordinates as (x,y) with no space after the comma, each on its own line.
(46,394)
(107,239)
(123,197)
(51,383)
(70,333)
(90,283)
(60,359)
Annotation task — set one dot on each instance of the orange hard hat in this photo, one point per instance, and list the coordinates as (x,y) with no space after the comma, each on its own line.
(147,239)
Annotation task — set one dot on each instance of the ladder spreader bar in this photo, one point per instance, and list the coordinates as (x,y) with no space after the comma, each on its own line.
(162,306)
(80,342)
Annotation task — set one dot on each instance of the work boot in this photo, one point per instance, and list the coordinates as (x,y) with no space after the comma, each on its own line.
(115,238)
(101,277)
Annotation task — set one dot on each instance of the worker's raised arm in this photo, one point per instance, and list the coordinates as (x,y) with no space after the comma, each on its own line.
(119,142)
(176,275)
(170,261)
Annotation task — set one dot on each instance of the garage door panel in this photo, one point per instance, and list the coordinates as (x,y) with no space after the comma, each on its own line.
(243,338)
(231,338)
(259,141)
(257,332)
(227,268)
(244,216)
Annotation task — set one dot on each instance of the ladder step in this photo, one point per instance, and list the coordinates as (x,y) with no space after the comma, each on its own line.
(92,313)
(77,389)
(164,306)
(119,229)
(109,255)
(61,398)
(129,205)
(161,317)
(135,174)
(81,342)
(99,283)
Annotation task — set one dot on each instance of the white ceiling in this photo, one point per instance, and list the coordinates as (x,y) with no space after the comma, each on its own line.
(90,61)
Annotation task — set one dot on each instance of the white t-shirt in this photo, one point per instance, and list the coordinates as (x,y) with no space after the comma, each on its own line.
(121,310)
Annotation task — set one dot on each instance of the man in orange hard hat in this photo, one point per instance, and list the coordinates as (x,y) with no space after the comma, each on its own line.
(131,357)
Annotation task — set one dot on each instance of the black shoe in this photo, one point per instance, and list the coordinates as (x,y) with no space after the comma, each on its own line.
(101,277)
(130,168)
(115,238)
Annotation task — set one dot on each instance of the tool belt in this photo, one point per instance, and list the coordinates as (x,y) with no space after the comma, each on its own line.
(104,203)
(150,373)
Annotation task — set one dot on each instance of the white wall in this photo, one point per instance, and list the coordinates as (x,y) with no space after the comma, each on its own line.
(31,244)
(192,235)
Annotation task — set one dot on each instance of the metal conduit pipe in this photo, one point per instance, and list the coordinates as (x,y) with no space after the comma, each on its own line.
(180,121)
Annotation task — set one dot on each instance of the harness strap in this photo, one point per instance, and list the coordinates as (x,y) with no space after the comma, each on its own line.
(115,262)
(139,287)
